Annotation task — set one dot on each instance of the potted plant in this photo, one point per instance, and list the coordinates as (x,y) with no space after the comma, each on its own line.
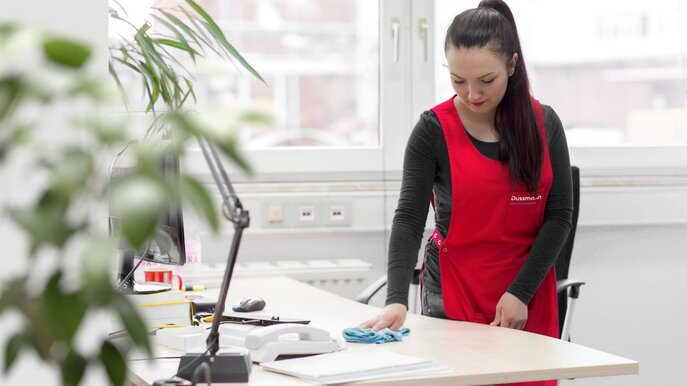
(64,221)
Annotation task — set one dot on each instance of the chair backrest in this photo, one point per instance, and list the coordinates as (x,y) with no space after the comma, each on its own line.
(563,261)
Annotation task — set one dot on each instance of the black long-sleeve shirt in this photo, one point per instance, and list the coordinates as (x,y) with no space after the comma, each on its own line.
(426,168)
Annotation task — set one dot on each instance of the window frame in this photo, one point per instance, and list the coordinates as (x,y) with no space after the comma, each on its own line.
(396,116)
(406,89)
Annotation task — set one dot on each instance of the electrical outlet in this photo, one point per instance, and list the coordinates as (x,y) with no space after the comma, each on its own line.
(273,215)
(306,213)
(337,213)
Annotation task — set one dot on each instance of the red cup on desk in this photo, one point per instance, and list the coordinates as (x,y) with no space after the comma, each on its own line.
(163,275)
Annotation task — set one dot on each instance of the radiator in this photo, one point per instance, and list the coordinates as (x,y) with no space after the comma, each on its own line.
(344,277)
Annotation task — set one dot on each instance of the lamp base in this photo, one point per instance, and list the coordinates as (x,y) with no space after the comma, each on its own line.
(225,366)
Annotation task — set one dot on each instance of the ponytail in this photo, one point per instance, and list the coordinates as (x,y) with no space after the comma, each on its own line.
(492,25)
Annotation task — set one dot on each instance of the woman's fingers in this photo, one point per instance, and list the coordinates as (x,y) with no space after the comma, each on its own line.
(382,324)
(510,312)
(497,318)
(398,323)
(376,324)
(393,316)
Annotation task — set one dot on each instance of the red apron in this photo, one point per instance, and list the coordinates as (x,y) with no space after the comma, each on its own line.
(491,232)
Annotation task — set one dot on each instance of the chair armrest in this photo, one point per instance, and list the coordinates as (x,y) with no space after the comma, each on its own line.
(574,285)
(370,291)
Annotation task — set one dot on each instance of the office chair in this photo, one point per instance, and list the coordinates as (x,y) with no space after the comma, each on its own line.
(568,289)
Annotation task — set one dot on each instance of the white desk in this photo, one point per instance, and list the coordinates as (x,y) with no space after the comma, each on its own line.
(479,354)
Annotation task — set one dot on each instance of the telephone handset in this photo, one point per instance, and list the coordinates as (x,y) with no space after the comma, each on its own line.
(257,338)
(267,343)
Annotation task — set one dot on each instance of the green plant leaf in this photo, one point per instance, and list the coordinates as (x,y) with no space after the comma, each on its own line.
(153,97)
(13,348)
(183,43)
(13,290)
(16,135)
(228,146)
(106,129)
(113,13)
(96,266)
(150,84)
(132,322)
(88,87)
(73,172)
(149,52)
(224,139)
(118,83)
(187,30)
(47,221)
(177,45)
(164,91)
(177,92)
(114,363)
(126,63)
(255,116)
(66,315)
(156,126)
(66,52)
(10,94)
(217,33)
(64,311)
(167,56)
(198,29)
(191,91)
(149,153)
(138,202)
(7,29)
(72,369)
(198,196)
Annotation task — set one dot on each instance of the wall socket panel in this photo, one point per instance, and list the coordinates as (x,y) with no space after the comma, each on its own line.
(305,213)
(273,214)
(337,213)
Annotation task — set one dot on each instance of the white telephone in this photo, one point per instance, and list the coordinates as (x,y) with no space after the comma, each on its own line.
(267,343)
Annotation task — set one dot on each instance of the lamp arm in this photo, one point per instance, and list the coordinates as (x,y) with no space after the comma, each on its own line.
(234,212)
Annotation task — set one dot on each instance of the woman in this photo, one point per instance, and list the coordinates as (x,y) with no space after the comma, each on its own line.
(496,164)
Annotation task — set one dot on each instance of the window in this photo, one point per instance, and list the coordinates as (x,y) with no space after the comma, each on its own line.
(347,80)
(339,81)
(614,71)
(320,59)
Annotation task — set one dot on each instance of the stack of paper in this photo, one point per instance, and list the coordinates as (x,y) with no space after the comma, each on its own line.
(183,339)
(357,364)
(163,308)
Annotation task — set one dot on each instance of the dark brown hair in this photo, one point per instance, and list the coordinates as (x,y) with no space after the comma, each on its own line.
(492,25)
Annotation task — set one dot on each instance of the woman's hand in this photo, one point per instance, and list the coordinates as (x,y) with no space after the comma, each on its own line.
(510,312)
(392,316)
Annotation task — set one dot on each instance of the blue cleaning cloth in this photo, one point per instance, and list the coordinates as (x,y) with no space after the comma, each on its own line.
(366,335)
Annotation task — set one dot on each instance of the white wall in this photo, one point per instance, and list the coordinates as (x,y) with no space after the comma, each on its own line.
(633,303)
(630,249)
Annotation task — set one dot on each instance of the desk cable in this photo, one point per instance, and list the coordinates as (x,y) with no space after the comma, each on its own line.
(122,283)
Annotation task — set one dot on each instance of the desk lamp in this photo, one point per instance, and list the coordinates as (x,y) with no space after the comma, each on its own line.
(229,366)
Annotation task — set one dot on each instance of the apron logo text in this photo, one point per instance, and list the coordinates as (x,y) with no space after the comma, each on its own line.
(524,200)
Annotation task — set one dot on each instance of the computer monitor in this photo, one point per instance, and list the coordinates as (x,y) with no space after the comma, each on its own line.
(167,246)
